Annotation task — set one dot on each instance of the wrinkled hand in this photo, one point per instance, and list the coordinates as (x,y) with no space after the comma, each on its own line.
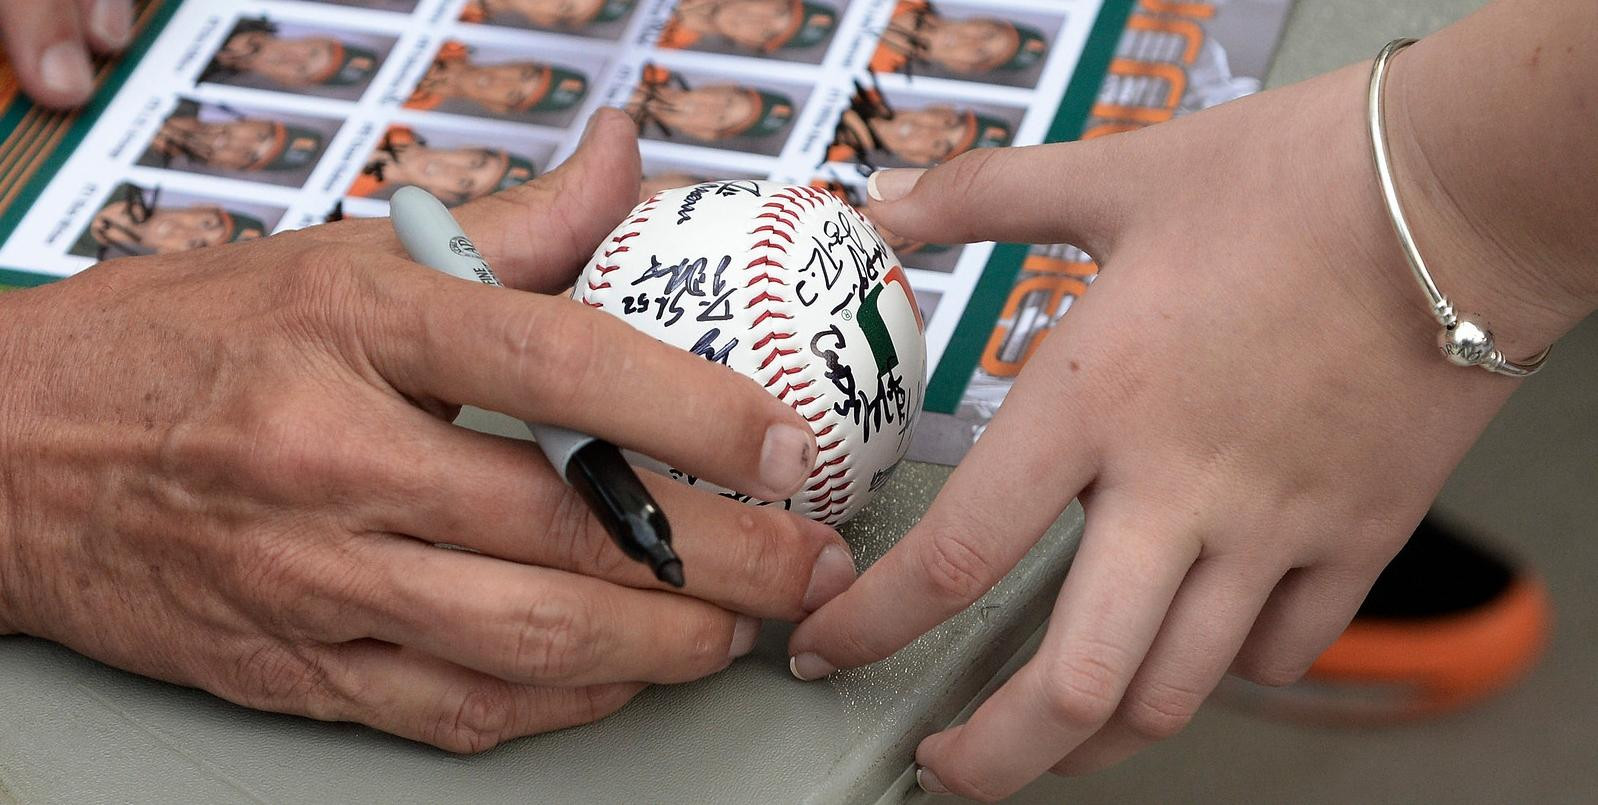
(228,469)
(1247,401)
(48,44)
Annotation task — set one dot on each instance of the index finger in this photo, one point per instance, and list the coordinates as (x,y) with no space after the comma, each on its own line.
(555,361)
(999,501)
(1072,194)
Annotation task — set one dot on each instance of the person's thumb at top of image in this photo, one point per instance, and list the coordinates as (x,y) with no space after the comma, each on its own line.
(1055,193)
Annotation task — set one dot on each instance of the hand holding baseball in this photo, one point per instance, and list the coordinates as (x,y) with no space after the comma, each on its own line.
(1247,401)
(48,44)
(228,469)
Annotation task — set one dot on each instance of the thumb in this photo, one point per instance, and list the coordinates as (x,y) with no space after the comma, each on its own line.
(539,234)
(1056,193)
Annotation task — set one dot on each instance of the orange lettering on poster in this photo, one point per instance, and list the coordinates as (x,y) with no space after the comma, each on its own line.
(1198,11)
(1189,30)
(1056,289)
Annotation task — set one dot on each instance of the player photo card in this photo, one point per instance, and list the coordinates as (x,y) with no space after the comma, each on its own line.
(265,53)
(137,220)
(754,115)
(238,142)
(912,130)
(912,253)
(666,174)
(487,82)
(599,19)
(454,166)
(398,6)
(966,41)
(789,30)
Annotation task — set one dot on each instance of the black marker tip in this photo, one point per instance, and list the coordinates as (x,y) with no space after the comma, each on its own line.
(671,573)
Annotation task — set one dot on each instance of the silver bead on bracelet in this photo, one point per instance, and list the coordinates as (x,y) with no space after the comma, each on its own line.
(1463,341)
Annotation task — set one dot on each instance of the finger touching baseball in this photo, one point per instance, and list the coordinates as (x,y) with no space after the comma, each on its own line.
(982,523)
(45,43)
(499,496)
(1113,602)
(534,625)
(414,695)
(554,361)
(1073,195)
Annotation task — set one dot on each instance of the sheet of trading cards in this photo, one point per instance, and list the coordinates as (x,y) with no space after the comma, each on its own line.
(233,119)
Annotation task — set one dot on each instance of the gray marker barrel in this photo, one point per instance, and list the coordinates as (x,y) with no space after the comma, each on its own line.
(433,238)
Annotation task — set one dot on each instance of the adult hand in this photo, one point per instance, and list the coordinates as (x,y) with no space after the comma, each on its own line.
(1248,403)
(228,469)
(48,44)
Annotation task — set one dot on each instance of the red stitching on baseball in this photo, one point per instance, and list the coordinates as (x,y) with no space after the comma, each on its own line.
(829,479)
(764,278)
(776,352)
(600,286)
(769,314)
(770,337)
(765,296)
(633,234)
(792,388)
(781,373)
(773,230)
(775,217)
(768,244)
(786,210)
(763,261)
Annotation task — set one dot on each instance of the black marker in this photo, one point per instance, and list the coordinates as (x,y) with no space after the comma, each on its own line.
(593,467)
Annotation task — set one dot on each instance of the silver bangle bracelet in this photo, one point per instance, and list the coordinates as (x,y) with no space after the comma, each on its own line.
(1463,341)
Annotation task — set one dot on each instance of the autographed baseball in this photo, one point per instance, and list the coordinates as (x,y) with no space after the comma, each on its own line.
(792,287)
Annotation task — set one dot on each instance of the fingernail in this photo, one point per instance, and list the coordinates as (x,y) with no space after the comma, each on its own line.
(929,782)
(785,459)
(112,22)
(65,69)
(833,573)
(892,185)
(809,666)
(743,637)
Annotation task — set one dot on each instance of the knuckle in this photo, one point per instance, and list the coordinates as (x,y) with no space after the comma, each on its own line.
(321,284)
(954,567)
(301,583)
(283,449)
(554,641)
(581,543)
(707,645)
(968,170)
(775,567)
(1082,691)
(1161,711)
(479,721)
(274,676)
